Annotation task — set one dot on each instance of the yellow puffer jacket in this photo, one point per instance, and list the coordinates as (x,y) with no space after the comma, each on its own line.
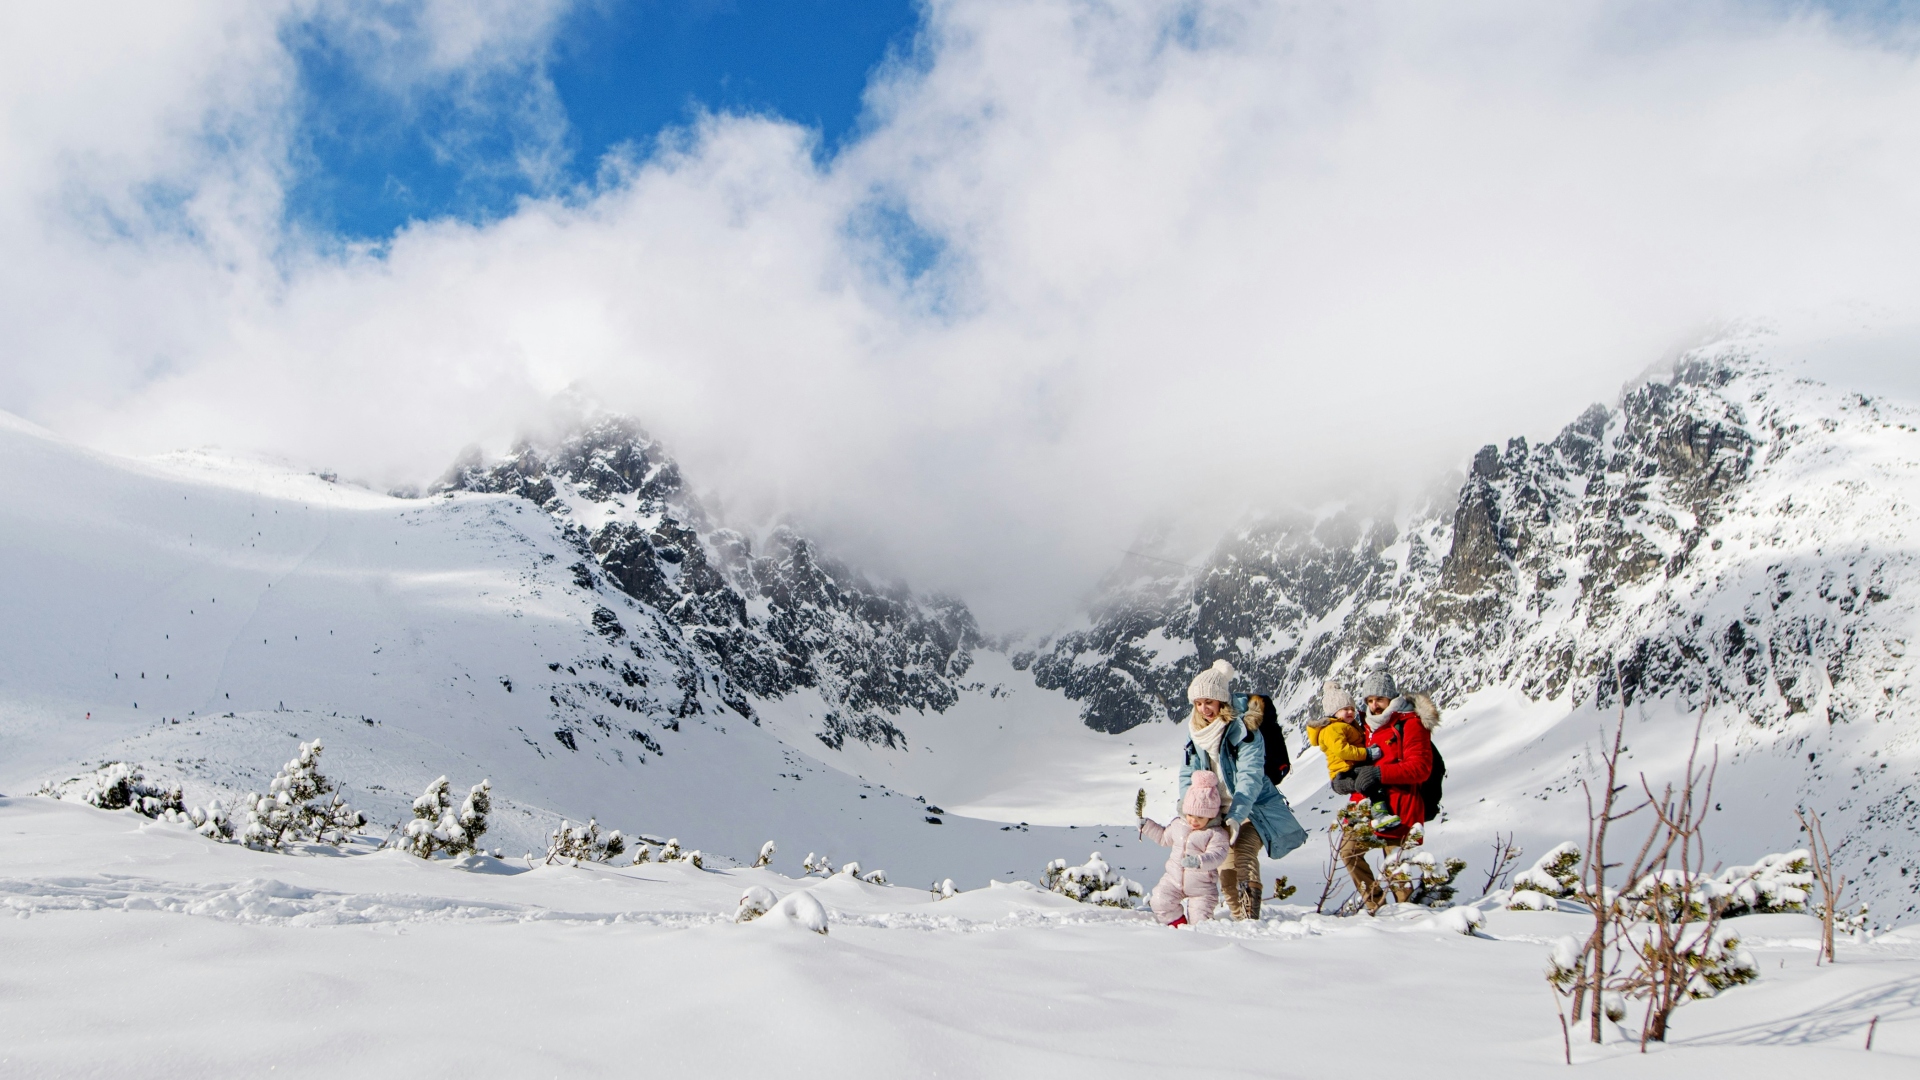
(1341,741)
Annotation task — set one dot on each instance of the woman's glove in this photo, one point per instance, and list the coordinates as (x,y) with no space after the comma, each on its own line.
(1191,862)
(1233,832)
(1373,753)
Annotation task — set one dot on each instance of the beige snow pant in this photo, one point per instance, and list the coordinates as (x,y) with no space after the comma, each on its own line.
(1354,852)
(1240,874)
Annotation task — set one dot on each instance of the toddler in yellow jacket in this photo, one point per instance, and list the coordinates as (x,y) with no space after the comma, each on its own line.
(1338,736)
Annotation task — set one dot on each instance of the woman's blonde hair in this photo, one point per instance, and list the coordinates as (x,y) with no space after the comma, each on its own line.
(1227,712)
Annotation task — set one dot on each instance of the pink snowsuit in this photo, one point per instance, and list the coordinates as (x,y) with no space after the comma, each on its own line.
(1187,890)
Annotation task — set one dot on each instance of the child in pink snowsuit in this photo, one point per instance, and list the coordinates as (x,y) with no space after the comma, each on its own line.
(1190,888)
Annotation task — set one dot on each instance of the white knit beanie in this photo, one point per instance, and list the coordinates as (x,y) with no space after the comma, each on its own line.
(1216,682)
(1333,698)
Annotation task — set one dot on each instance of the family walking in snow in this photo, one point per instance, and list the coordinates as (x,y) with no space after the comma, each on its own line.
(1231,805)
(1234,759)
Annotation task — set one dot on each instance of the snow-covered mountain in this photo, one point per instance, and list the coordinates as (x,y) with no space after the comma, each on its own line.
(570,621)
(1728,532)
(199,616)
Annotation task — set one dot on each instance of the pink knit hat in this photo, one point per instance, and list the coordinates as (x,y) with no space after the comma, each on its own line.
(1203,798)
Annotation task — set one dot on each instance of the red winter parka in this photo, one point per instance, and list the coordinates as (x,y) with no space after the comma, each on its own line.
(1406,760)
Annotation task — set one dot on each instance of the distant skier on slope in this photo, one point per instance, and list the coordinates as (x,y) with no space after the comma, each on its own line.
(1219,742)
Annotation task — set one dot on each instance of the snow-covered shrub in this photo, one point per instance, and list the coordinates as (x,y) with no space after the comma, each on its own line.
(1093,882)
(1420,878)
(643,854)
(1529,900)
(118,786)
(1777,883)
(852,869)
(1714,960)
(943,890)
(874,877)
(296,807)
(1854,924)
(584,843)
(670,851)
(212,822)
(817,864)
(1556,874)
(755,902)
(437,827)
(766,855)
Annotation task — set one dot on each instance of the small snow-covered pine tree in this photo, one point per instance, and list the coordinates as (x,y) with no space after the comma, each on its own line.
(1094,882)
(437,828)
(297,807)
(1421,879)
(766,855)
(1777,883)
(817,864)
(119,786)
(584,843)
(1552,877)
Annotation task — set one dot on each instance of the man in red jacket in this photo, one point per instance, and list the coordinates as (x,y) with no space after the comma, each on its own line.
(1400,750)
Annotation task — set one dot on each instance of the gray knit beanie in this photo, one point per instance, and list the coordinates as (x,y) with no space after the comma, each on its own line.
(1333,698)
(1216,682)
(1379,682)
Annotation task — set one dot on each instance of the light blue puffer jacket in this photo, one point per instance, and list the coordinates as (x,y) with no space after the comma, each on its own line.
(1244,764)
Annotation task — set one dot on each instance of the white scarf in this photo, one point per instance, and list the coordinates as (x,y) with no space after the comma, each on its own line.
(1207,737)
(1397,705)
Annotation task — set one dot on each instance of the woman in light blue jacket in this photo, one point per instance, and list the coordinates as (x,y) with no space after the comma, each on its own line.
(1222,742)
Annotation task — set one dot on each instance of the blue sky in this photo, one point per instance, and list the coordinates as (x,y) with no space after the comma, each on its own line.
(368,160)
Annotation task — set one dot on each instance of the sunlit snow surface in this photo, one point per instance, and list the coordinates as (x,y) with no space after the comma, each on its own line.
(136,948)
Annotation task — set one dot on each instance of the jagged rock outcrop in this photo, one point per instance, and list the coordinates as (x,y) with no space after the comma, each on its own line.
(1704,535)
(762,624)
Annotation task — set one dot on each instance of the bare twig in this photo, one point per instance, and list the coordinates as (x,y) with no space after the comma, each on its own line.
(1871,1024)
(1831,885)
(1505,854)
(1593,888)
(1331,884)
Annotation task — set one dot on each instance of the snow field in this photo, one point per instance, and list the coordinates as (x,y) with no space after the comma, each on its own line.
(141,947)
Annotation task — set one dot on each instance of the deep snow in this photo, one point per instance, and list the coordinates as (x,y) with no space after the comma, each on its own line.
(138,948)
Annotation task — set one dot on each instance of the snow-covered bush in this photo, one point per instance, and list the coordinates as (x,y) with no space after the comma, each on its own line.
(642,854)
(943,890)
(1714,960)
(119,786)
(584,843)
(296,807)
(1553,876)
(1093,882)
(1420,878)
(755,902)
(852,869)
(874,877)
(1777,883)
(817,864)
(766,855)
(212,821)
(671,852)
(437,827)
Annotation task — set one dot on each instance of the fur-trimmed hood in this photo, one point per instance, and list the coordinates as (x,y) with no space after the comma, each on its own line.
(1416,703)
(1426,710)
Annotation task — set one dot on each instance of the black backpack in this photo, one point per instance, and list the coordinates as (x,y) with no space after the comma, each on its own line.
(1430,787)
(1278,763)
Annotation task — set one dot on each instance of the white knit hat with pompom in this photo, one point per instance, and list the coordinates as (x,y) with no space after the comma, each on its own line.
(1216,683)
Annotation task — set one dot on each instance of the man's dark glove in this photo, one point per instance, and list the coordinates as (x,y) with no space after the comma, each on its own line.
(1373,753)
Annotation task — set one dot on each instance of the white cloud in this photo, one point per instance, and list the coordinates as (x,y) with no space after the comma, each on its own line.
(1198,257)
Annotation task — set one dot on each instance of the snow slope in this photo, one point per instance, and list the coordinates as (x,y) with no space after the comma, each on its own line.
(201,616)
(137,948)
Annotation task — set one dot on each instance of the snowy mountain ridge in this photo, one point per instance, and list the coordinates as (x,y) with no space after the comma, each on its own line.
(1728,533)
